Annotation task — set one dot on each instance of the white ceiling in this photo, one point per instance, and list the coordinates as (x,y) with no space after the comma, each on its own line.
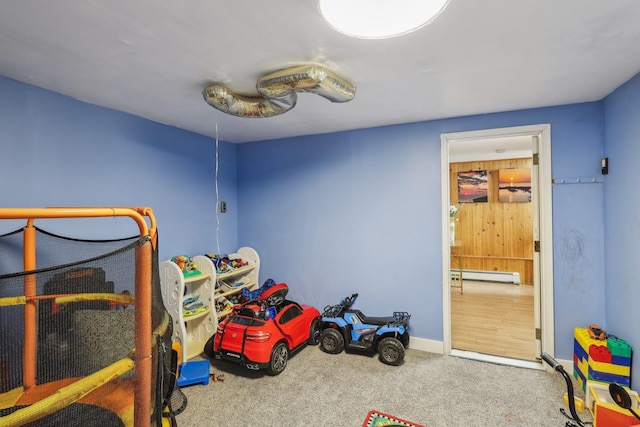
(153,58)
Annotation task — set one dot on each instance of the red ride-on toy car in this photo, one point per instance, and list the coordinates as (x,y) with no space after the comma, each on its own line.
(262,333)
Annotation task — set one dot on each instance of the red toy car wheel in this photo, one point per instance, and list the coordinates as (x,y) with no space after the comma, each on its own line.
(279,359)
(314,332)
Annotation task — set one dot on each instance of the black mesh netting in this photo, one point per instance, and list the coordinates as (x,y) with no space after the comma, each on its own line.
(77,337)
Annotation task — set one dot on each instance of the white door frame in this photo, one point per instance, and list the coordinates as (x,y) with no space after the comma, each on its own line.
(543,133)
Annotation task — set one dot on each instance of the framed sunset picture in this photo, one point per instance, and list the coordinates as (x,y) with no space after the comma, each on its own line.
(472,186)
(514,185)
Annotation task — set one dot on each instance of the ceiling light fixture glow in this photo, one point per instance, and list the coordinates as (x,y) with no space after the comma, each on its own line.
(379,19)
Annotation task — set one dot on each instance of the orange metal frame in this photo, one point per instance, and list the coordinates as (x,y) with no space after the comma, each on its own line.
(143,342)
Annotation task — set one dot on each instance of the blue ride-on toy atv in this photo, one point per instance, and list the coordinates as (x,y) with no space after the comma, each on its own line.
(344,328)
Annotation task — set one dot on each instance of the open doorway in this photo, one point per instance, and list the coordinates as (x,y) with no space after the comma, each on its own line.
(521,251)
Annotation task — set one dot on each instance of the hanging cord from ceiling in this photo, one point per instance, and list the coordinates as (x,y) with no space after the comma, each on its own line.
(217,194)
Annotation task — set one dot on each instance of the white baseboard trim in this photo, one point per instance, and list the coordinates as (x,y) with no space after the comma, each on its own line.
(423,344)
(432,346)
(567,365)
(499,360)
(491,276)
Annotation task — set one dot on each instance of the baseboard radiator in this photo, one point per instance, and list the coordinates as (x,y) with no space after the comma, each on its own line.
(491,276)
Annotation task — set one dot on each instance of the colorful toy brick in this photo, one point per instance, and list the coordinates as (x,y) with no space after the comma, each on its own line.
(619,347)
(609,368)
(606,360)
(581,335)
(599,353)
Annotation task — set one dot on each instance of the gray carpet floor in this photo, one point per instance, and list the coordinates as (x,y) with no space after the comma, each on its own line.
(318,389)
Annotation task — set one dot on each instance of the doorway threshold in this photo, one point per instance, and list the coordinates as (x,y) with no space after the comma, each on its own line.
(499,360)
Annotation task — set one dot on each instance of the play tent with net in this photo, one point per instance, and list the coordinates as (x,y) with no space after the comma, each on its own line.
(84,335)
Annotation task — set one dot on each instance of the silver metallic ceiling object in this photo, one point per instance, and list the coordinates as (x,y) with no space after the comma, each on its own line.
(279,91)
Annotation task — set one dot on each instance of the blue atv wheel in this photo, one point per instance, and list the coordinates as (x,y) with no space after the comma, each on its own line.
(331,341)
(391,351)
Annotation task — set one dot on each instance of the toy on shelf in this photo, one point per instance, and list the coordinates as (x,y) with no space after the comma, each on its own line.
(192,306)
(190,302)
(231,274)
(186,264)
(222,304)
(224,264)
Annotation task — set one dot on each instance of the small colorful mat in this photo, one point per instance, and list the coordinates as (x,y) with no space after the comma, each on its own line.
(378,419)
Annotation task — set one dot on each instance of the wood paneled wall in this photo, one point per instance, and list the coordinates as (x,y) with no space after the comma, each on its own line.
(495,236)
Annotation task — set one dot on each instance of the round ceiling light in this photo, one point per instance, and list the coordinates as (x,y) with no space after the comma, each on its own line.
(378,19)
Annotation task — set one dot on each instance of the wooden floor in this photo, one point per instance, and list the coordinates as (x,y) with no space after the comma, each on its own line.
(494,318)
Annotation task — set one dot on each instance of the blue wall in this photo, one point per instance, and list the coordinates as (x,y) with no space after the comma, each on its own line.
(622,214)
(336,213)
(360,212)
(57,151)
